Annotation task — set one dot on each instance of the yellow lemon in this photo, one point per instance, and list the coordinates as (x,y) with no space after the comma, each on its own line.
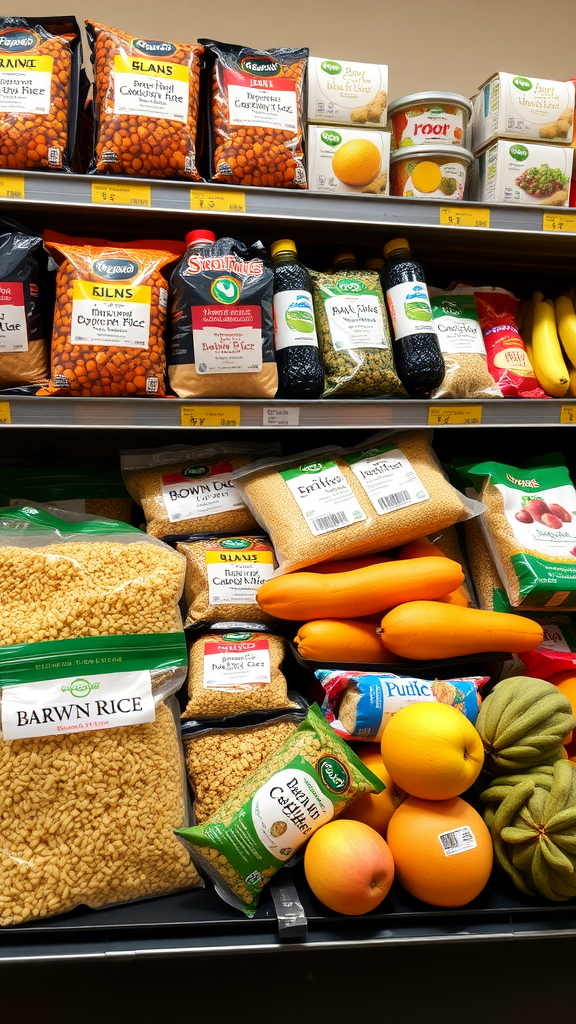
(426,176)
(356,162)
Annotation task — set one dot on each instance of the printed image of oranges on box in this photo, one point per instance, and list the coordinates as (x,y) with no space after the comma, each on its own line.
(430,172)
(348,160)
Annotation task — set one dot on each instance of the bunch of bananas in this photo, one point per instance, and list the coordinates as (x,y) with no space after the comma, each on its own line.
(549,333)
(532,820)
(523,722)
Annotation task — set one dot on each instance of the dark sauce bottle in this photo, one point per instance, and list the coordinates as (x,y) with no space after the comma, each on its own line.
(417,354)
(299,368)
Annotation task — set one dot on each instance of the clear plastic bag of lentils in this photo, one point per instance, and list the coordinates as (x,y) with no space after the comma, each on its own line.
(257,116)
(109,317)
(38,132)
(146,105)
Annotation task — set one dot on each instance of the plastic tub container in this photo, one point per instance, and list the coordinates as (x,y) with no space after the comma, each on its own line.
(429,118)
(430,172)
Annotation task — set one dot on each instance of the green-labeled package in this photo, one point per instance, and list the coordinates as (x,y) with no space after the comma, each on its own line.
(309,781)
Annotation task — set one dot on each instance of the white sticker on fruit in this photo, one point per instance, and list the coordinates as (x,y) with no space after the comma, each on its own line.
(323,495)
(13,326)
(294,322)
(258,100)
(458,840)
(544,521)
(355,321)
(388,478)
(200,491)
(236,664)
(151,87)
(84,703)
(227,338)
(287,809)
(110,313)
(410,309)
(25,89)
(234,577)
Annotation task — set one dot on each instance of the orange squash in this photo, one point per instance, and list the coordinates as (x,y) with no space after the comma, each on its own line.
(308,595)
(342,640)
(457,597)
(429,630)
(423,548)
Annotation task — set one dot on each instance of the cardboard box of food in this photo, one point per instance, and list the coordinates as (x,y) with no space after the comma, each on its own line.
(348,160)
(518,172)
(347,93)
(531,109)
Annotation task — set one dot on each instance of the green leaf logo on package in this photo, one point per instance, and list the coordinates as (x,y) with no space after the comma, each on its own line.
(225,290)
(524,84)
(331,67)
(519,152)
(331,138)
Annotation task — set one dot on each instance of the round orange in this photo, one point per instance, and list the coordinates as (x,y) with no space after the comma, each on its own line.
(432,843)
(348,866)
(357,162)
(566,683)
(432,751)
(375,809)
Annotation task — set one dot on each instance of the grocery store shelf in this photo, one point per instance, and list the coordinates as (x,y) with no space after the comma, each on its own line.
(197,414)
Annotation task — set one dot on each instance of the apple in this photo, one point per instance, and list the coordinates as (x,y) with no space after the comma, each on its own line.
(348,866)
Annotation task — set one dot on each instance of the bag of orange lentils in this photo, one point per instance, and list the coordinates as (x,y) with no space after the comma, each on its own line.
(110,316)
(257,115)
(40,61)
(146,105)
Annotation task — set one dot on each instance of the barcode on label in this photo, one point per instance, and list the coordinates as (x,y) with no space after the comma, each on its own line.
(323,524)
(458,840)
(394,500)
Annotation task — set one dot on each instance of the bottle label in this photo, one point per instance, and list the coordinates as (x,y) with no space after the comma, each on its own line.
(410,309)
(294,322)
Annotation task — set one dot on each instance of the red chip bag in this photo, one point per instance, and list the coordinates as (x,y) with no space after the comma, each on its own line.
(508,362)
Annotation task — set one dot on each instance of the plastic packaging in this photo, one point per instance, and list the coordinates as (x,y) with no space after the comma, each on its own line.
(462,346)
(23,346)
(507,360)
(73,489)
(223,574)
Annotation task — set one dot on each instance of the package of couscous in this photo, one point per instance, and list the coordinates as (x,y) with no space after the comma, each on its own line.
(336,503)
(40,61)
(272,813)
(72,488)
(462,346)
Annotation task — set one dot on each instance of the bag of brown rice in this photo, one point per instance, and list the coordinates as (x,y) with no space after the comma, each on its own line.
(234,669)
(223,575)
(338,503)
(183,488)
(462,346)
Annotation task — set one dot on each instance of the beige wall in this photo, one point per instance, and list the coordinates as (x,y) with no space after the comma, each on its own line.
(426,45)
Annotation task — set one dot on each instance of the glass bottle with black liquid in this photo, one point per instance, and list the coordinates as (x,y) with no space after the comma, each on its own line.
(299,368)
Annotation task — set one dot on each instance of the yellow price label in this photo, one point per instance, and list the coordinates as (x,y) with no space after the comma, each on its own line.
(568,414)
(453,415)
(210,415)
(560,220)
(465,217)
(121,195)
(5,416)
(205,199)
(12,186)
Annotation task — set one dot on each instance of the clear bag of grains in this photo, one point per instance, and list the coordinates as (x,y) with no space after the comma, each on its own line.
(462,345)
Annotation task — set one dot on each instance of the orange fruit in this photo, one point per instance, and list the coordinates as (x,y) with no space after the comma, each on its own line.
(442,850)
(432,751)
(348,866)
(375,809)
(357,162)
(566,683)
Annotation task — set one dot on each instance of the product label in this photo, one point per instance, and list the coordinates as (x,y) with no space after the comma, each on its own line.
(410,309)
(149,87)
(457,324)
(110,313)
(434,125)
(294,322)
(356,321)
(83,703)
(236,664)
(235,575)
(428,179)
(347,87)
(227,338)
(507,352)
(13,326)
(323,496)
(200,491)
(331,165)
(287,809)
(25,84)
(458,840)
(554,640)
(388,478)
(261,101)
(543,520)
(532,103)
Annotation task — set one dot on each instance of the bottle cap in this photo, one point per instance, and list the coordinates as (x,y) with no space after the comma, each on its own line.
(283,245)
(396,243)
(375,263)
(200,235)
(344,257)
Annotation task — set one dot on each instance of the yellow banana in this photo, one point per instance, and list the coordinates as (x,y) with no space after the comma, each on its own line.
(566,323)
(549,366)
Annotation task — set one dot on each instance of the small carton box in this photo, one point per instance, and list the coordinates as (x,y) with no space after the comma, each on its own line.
(531,109)
(348,160)
(522,172)
(346,93)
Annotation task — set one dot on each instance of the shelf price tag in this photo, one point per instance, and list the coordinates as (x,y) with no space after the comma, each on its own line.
(210,415)
(568,414)
(5,412)
(285,416)
(451,416)
(475,217)
(205,199)
(12,186)
(121,195)
(560,220)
